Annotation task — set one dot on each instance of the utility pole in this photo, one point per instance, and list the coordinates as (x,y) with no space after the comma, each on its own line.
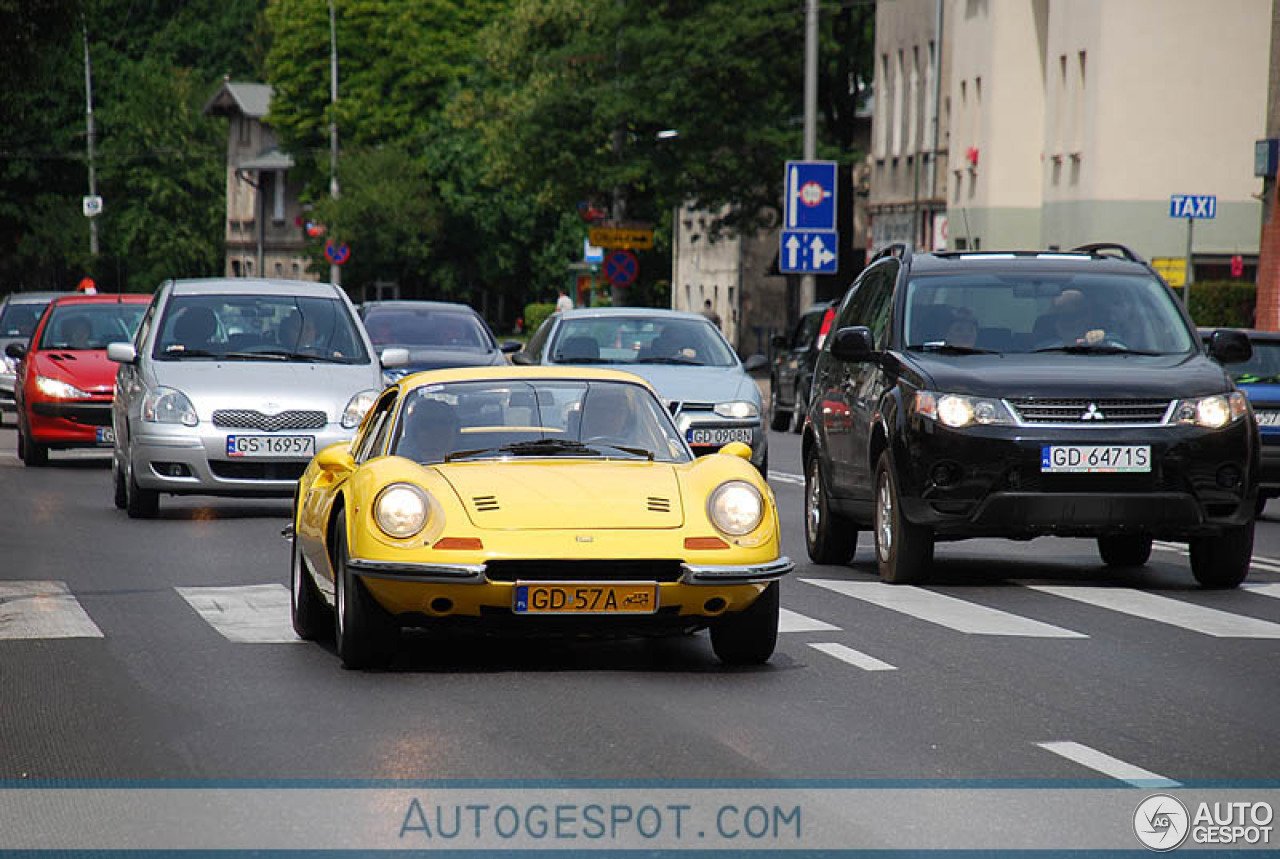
(88,115)
(335,271)
(808,286)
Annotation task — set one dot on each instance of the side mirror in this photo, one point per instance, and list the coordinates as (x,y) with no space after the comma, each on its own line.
(1229,346)
(853,344)
(395,356)
(521,357)
(16,351)
(755,362)
(778,341)
(509,347)
(122,353)
(738,449)
(335,459)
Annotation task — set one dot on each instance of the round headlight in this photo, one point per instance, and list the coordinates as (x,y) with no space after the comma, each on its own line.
(955,411)
(736,508)
(401,510)
(1213,412)
(737,409)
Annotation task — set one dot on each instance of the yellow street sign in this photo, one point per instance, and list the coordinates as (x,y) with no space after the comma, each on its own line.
(622,238)
(1172,269)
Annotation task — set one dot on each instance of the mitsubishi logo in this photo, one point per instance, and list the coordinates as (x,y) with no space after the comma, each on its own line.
(1093,414)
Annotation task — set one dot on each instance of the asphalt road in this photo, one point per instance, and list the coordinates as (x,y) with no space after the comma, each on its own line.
(1021,661)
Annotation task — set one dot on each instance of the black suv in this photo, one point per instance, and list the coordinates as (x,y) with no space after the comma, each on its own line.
(1027,394)
(792,369)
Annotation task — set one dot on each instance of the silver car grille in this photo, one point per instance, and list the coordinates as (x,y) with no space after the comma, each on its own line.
(1090,412)
(255,420)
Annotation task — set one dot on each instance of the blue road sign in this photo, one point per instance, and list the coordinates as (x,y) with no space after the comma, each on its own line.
(809,252)
(1192,206)
(810,194)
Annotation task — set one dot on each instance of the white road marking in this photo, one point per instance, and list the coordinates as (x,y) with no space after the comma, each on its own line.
(257,614)
(1267,589)
(853,657)
(43,610)
(793,479)
(1107,765)
(945,611)
(1197,618)
(1270,565)
(790,621)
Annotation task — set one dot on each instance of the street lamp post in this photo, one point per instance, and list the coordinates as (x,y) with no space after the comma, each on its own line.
(335,275)
(88,118)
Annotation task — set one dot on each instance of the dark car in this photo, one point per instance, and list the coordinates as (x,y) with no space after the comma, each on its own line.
(1259,378)
(438,335)
(792,368)
(1022,395)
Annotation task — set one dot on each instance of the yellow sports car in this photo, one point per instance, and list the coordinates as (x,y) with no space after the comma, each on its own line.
(541,498)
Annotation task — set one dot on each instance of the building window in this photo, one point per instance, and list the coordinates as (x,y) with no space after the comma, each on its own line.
(243,123)
(930,101)
(1077,137)
(913,106)
(277,203)
(899,117)
(279,269)
(235,268)
(297,271)
(882,118)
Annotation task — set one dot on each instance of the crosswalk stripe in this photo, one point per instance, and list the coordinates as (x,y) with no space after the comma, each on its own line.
(1197,618)
(1107,765)
(790,479)
(257,614)
(1267,589)
(943,610)
(851,656)
(790,621)
(42,610)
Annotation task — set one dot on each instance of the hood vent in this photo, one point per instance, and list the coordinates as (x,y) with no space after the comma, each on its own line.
(659,505)
(485,503)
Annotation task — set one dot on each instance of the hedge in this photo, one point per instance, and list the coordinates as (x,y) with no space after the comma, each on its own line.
(1222,303)
(536,314)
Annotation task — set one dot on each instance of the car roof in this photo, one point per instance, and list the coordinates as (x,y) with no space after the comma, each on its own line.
(418,304)
(526,373)
(949,262)
(33,297)
(253,286)
(119,298)
(614,312)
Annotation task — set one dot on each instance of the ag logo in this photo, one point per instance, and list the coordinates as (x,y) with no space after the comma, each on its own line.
(1161,822)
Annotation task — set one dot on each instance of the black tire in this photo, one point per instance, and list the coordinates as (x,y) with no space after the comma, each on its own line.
(829,537)
(1222,561)
(139,503)
(799,408)
(748,637)
(312,619)
(120,490)
(33,454)
(779,418)
(1124,551)
(904,550)
(365,636)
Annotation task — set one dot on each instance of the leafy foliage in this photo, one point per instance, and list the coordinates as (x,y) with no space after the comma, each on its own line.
(1222,303)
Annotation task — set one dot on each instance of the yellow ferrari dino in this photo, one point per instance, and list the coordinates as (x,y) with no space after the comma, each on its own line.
(544,499)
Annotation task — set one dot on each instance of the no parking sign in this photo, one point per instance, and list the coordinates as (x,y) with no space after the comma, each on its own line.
(621,268)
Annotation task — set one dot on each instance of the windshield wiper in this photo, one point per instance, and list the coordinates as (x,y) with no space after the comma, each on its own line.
(951,349)
(469,454)
(633,451)
(254,356)
(671,359)
(550,446)
(171,352)
(1096,349)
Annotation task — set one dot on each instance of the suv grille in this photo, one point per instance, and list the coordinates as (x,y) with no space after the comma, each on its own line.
(1090,412)
(251,419)
(583,571)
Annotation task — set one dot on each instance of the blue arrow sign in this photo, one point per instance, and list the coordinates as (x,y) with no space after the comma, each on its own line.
(810,195)
(809,252)
(1203,206)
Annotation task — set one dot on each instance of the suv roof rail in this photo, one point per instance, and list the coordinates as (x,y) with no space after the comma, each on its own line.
(1101,249)
(901,250)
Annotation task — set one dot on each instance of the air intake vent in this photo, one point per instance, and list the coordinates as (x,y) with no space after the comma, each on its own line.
(659,505)
(485,503)
(251,419)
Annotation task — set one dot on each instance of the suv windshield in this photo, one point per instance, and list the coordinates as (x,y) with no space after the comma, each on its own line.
(427,328)
(258,327)
(90,326)
(640,340)
(1043,312)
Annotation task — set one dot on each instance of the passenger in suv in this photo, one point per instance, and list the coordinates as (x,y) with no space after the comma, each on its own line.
(1083,406)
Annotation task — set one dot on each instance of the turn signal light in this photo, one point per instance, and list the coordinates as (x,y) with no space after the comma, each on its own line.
(459,543)
(705,543)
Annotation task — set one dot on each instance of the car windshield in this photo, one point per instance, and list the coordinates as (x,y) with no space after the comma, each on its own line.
(427,328)
(640,340)
(512,419)
(1263,366)
(19,320)
(258,327)
(90,326)
(1043,312)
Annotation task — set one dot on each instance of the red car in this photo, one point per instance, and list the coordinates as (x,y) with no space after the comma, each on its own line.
(64,382)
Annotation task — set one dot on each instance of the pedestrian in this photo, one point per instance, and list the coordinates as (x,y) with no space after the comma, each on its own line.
(710,312)
(563,303)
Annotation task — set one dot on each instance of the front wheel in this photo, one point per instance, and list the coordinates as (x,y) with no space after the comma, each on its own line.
(1222,561)
(311,617)
(779,420)
(32,453)
(748,637)
(799,408)
(829,537)
(364,634)
(120,490)
(1125,551)
(139,503)
(904,550)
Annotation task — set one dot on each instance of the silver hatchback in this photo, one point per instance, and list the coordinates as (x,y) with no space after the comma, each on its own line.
(231,386)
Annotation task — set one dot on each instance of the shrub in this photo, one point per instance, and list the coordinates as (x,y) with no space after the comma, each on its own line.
(536,314)
(1222,303)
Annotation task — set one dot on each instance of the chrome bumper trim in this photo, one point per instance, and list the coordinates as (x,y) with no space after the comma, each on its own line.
(456,574)
(711,574)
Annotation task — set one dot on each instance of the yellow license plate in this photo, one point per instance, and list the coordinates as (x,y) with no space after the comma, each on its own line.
(586,598)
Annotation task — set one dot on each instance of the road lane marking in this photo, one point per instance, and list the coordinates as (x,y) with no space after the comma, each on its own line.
(1197,618)
(851,656)
(966,617)
(43,610)
(793,479)
(1270,565)
(1107,765)
(791,621)
(257,614)
(1268,589)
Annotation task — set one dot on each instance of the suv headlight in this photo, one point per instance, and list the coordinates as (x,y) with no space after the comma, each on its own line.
(356,408)
(401,510)
(736,508)
(59,390)
(737,409)
(959,410)
(1214,412)
(169,406)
